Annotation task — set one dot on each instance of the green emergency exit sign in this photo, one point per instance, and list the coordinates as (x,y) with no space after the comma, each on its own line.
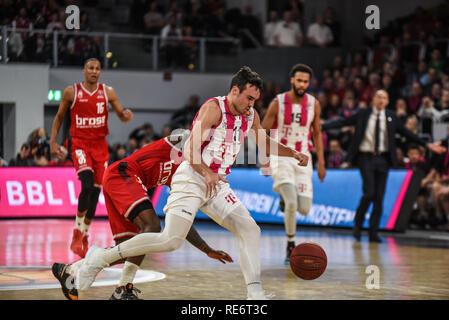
(54,95)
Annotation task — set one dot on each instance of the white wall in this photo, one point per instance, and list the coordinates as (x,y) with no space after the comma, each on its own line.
(25,86)
(148,90)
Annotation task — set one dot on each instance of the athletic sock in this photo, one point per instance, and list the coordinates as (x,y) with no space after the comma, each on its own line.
(73,269)
(128,273)
(79,223)
(86,228)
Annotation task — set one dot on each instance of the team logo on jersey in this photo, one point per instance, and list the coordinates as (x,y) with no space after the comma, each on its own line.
(80,94)
(100,94)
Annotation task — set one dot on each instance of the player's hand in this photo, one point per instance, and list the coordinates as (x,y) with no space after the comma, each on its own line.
(321,172)
(220,256)
(56,151)
(212,181)
(127,115)
(302,159)
(265,169)
(437,147)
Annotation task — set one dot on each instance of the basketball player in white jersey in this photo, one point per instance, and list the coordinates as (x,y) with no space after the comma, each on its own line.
(218,131)
(290,119)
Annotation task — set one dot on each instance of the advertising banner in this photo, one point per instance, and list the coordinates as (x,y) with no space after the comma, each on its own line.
(53,192)
(334,201)
(41,192)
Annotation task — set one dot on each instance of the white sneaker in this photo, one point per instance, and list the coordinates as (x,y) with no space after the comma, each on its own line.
(91,267)
(261,296)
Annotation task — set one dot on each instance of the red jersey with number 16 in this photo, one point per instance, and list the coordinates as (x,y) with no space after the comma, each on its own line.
(89,113)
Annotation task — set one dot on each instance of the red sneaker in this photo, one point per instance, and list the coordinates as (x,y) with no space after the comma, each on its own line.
(85,244)
(77,244)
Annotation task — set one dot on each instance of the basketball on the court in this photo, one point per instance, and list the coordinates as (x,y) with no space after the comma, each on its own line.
(308,260)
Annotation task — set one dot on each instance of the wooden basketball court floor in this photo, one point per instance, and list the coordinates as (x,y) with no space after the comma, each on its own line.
(414,265)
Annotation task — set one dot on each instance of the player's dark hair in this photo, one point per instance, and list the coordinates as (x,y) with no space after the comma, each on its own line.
(301,68)
(246,76)
(92,59)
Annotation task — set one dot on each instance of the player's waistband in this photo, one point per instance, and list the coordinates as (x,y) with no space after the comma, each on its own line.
(88,138)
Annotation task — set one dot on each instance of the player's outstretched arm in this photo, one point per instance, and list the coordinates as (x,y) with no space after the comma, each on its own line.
(124,115)
(318,141)
(195,239)
(67,99)
(270,116)
(268,123)
(268,145)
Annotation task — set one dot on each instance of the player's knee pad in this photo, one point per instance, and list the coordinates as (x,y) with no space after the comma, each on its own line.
(304,205)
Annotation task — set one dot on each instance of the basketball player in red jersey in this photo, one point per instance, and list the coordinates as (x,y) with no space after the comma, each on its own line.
(290,119)
(88,102)
(218,131)
(131,212)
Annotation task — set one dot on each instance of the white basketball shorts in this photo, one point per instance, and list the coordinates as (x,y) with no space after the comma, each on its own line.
(287,170)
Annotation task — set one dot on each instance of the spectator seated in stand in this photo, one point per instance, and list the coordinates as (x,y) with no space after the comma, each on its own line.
(288,33)
(319,34)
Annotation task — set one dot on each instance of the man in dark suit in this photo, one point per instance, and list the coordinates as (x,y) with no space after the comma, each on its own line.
(373,149)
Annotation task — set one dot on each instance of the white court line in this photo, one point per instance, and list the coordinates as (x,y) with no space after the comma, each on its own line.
(112,278)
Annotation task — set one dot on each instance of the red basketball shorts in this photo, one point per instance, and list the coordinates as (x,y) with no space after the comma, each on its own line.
(93,155)
(123,190)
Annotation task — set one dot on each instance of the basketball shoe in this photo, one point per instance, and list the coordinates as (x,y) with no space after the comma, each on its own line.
(77,243)
(261,296)
(290,247)
(125,293)
(91,267)
(59,270)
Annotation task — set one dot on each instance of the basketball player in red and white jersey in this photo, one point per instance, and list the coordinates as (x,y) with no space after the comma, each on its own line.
(88,102)
(290,119)
(131,212)
(217,133)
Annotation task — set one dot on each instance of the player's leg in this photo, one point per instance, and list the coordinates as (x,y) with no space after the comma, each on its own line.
(87,188)
(99,157)
(170,239)
(289,194)
(247,233)
(227,210)
(145,219)
(186,196)
(368,176)
(380,179)
(284,177)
